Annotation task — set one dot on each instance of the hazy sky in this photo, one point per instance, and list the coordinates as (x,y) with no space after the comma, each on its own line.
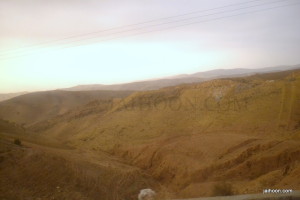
(55,44)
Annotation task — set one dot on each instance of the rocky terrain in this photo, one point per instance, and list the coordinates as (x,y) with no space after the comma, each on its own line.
(181,141)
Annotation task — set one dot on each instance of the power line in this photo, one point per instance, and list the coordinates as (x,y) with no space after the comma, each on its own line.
(173,27)
(177,26)
(136,24)
(165,23)
(142,23)
(182,20)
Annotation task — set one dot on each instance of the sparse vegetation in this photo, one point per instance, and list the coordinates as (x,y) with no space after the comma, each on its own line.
(183,137)
(222,189)
(17,142)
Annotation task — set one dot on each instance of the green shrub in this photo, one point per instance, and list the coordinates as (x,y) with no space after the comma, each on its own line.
(17,142)
(222,189)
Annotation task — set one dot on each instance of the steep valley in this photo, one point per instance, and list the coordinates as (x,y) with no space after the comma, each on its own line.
(181,141)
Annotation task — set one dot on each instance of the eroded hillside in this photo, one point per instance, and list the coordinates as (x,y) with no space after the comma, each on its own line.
(245,131)
(38,171)
(242,130)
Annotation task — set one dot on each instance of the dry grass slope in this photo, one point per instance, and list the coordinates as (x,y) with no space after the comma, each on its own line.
(38,106)
(245,131)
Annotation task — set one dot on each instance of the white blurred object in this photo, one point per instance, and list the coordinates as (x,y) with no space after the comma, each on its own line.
(147,194)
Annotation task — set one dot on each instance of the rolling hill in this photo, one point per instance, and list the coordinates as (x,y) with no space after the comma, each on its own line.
(6,96)
(41,171)
(158,83)
(183,79)
(33,107)
(245,131)
(220,73)
(140,85)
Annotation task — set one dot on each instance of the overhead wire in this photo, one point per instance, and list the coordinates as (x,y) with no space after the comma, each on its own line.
(135,24)
(185,24)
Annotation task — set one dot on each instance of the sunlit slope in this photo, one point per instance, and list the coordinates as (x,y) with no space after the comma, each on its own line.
(242,130)
(258,105)
(38,106)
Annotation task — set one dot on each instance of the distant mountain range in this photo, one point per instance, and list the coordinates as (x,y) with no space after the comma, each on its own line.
(182,79)
(28,107)
(170,81)
(139,86)
(244,131)
(7,96)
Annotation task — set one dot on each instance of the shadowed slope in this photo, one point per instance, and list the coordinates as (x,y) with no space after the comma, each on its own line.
(243,130)
(32,171)
(6,96)
(38,106)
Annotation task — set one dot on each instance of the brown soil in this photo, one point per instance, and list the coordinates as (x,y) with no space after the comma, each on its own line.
(179,140)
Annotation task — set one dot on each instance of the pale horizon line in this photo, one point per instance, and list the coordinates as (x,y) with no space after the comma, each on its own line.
(151,79)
